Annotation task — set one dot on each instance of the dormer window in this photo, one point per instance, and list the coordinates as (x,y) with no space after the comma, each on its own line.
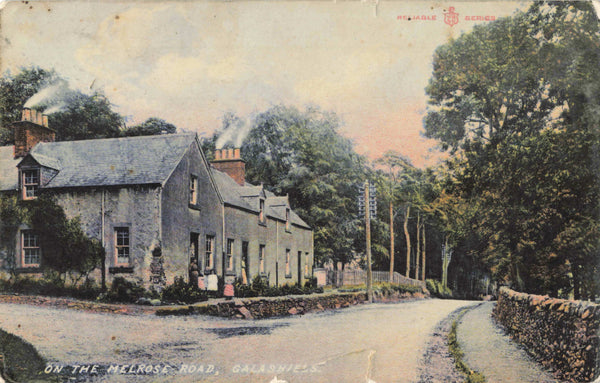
(30,182)
(261,213)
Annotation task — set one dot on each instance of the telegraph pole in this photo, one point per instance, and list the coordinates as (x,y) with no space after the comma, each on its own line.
(368,235)
(367,205)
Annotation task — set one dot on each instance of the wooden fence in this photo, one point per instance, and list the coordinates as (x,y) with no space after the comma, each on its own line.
(359,277)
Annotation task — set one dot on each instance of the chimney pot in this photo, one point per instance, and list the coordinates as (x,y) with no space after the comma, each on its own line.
(226,162)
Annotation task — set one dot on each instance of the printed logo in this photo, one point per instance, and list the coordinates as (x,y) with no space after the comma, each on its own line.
(451,17)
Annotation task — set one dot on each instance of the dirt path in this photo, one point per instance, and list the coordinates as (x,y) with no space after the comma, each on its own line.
(438,363)
(380,342)
(489,351)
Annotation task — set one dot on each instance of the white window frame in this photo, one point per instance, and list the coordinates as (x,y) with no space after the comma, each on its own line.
(229,253)
(261,259)
(122,247)
(209,257)
(27,246)
(193,190)
(30,185)
(288,268)
(261,208)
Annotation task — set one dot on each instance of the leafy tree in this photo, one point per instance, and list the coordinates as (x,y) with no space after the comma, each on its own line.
(86,117)
(11,217)
(301,154)
(152,126)
(73,114)
(67,249)
(517,101)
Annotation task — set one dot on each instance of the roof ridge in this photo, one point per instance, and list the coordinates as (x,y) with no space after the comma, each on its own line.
(150,136)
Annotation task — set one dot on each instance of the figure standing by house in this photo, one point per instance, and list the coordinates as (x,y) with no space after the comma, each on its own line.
(194,274)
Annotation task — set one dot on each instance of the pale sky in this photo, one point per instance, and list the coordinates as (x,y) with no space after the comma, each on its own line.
(189,62)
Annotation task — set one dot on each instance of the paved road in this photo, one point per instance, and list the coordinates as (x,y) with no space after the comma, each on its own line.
(379,342)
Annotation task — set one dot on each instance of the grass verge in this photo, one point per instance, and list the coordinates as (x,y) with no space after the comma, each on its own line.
(20,361)
(454,348)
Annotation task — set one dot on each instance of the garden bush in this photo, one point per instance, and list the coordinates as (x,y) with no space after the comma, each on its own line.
(259,287)
(180,291)
(124,291)
(438,290)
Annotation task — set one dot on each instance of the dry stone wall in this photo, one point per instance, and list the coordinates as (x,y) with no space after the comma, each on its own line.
(562,334)
(258,308)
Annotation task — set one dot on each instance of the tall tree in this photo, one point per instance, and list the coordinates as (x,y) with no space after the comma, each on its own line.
(86,117)
(517,101)
(301,154)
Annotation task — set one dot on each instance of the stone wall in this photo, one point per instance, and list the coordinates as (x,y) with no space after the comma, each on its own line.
(562,334)
(258,308)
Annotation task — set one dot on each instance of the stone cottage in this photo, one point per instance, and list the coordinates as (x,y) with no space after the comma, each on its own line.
(156,204)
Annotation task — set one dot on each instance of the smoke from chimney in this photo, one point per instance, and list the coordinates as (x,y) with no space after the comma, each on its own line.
(53,97)
(234,132)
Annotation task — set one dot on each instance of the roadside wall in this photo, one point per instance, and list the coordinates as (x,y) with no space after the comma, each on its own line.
(257,308)
(562,334)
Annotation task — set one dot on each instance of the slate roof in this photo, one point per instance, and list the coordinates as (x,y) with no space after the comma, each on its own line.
(231,191)
(133,161)
(9,174)
(113,161)
(246,197)
(276,209)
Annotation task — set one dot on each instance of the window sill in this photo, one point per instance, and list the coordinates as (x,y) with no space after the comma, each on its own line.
(194,206)
(121,270)
(28,269)
(230,273)
(262,223)
(288,276)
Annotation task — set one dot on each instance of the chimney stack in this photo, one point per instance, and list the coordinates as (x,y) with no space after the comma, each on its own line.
(229,161)
(32,128)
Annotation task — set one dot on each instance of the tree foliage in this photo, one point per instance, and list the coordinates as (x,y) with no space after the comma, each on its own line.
(86,117)
(67,250)
(152,126)
(301,154)
(517,101)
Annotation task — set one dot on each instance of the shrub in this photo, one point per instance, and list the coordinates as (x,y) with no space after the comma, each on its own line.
(122,290)
(259,287)
(52,286)
(180,291)
(438,290)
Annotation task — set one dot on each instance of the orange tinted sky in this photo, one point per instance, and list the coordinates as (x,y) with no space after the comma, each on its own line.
(190,62)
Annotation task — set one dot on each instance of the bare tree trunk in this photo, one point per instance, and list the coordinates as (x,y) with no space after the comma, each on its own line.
(424,252)
(445,263)
(391,241)
(407,235)
(418,252)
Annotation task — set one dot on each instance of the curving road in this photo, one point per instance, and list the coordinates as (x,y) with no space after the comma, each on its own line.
(368,343)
